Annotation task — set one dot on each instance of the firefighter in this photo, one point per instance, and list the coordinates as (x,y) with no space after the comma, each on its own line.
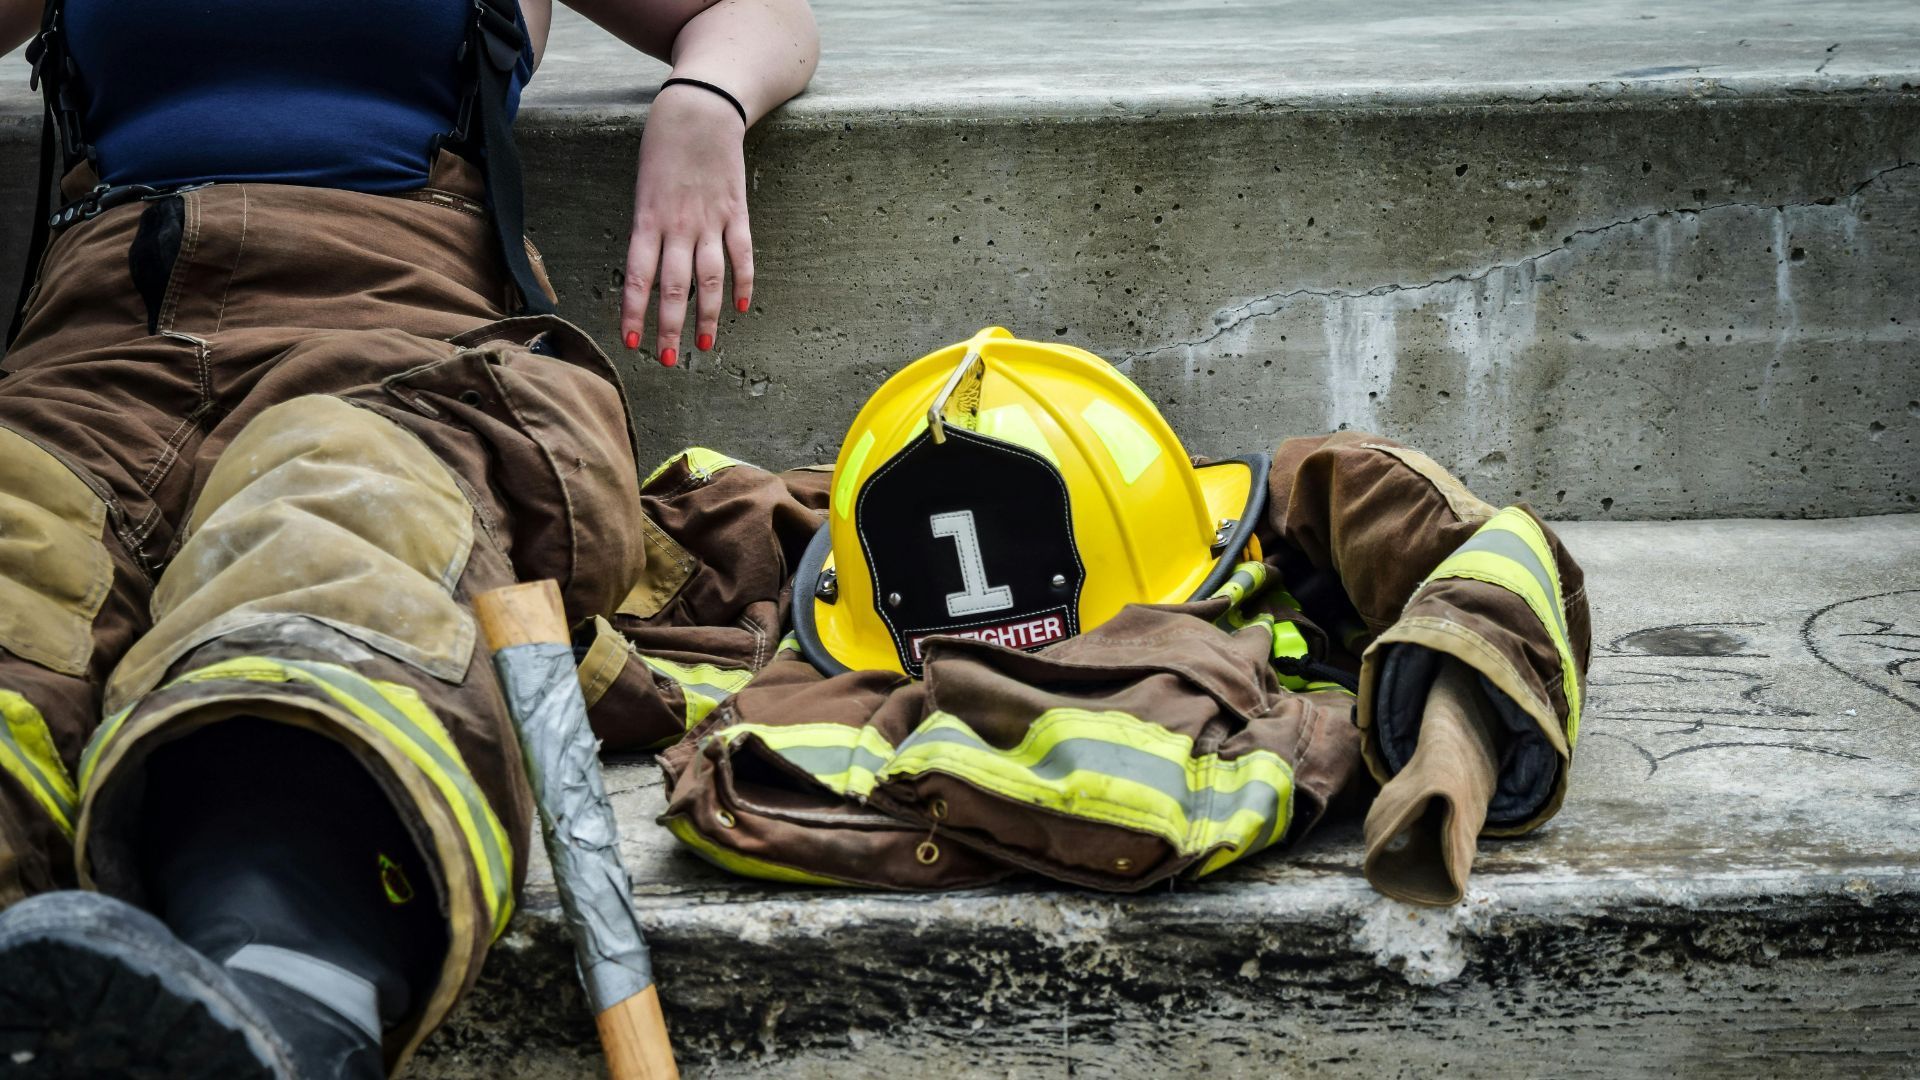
(1024,630)
(284,392)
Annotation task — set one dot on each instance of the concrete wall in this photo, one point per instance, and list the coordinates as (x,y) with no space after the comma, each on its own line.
(1654,310)
(1627,307)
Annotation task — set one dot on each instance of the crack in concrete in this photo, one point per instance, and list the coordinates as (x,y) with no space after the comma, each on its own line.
(1229,319)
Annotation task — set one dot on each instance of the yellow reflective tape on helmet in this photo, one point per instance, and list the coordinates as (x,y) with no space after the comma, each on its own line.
(1510,551)
(848,475)
(1014,424)
(1132,447)
(1117,769)
(844,759)
(28,755)
(701,462)
(744,865)
(703,686)
(399,716)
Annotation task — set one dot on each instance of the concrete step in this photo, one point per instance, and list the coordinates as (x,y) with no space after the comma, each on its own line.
(1733,889)
(1623,259)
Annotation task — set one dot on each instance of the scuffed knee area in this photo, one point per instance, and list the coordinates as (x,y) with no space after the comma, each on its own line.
(323,511)
(54,566)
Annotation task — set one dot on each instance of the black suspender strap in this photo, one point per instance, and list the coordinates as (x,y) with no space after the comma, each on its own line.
(51,74)
(37,240)
(494,45)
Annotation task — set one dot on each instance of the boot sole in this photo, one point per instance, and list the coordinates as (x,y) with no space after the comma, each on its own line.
(92,987)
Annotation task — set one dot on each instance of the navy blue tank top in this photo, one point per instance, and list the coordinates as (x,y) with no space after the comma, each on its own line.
(328,93)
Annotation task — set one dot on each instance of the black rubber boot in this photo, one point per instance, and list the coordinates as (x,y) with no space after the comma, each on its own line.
(94,987)
(272,850)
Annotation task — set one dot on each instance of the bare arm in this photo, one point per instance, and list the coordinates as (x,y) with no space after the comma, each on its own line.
(690,200)
(762,51)
(19,19)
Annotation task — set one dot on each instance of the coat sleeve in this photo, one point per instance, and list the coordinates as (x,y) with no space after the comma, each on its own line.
(1381,542)
(721,538)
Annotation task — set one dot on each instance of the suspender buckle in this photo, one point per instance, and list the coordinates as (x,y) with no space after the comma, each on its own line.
(500,32)
(102,199)
(37,50)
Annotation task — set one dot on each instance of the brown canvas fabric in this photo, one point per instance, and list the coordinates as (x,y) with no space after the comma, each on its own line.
(328,443)
(1422,827)
(1354,525)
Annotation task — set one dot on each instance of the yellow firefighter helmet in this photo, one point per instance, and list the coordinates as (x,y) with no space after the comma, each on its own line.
(1018,492)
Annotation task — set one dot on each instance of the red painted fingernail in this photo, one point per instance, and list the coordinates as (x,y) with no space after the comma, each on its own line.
(668,357)
(705,342)
(740,304)
(633,339)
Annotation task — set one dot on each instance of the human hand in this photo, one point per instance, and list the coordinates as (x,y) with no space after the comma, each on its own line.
(689,220)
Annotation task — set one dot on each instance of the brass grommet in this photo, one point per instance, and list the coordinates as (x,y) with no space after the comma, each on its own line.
(928,852)
(726,819)
(937,809)
(1123,865)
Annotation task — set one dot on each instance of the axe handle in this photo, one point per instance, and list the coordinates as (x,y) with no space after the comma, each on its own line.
(632,1032)
(522,615)
(634,1036)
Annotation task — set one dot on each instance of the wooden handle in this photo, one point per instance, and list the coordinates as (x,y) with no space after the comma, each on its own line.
(634,1035)
(522,615)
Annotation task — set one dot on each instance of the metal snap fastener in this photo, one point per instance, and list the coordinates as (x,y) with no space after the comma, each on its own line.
(1123,865)
(893,599)
(1059,581)
(470,397)
(928,852)
(726,819)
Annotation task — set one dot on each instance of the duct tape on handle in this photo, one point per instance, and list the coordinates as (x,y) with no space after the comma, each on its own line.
(583,839)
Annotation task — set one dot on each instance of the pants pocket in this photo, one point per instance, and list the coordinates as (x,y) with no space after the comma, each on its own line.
(558,452)
(54,566)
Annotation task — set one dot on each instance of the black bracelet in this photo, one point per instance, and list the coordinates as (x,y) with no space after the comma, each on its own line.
(710,88)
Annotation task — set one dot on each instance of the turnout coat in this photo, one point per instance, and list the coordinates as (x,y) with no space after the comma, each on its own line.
(1170,740)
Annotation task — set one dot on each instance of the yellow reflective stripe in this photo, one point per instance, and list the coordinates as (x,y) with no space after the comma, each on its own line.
(848,475)
(701,462)
(703,686)
(744,865)
(28,755)
(1132,447)
(844,759)
(402,718)
(1118,769)
(1511,552)
(102,735)
(788,644)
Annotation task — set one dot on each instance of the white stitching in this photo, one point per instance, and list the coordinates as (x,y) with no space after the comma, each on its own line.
(1066,502)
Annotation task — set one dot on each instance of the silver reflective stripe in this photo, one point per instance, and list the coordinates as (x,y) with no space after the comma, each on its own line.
(1508,545)
(832,760)
(329,984)
(707,690)
(1112,759)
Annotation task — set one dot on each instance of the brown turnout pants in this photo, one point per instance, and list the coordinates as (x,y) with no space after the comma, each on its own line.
(259,447)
